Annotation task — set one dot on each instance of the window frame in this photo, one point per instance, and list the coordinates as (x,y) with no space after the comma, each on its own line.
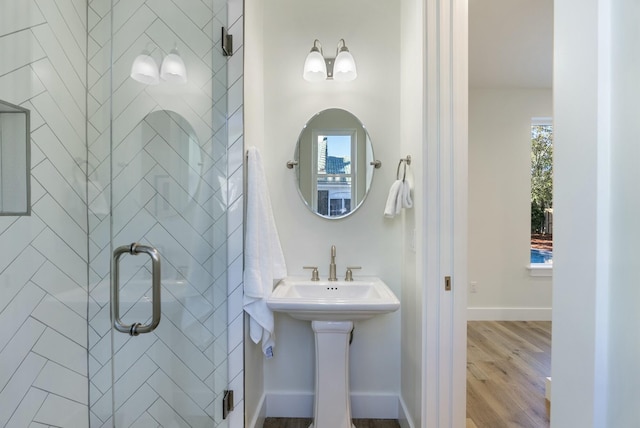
(539,269)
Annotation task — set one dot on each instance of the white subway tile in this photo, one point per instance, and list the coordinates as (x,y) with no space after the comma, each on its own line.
(180,402)
(59,349)
(18,15)
(18,348)
(62,319)
(19,385)
(27,409)
(182,375)
(60,254)
(60,412)
(61,381)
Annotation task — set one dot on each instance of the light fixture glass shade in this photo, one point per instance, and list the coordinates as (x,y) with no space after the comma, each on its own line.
(145,69)
(344,68)
(173,69)
(315,69)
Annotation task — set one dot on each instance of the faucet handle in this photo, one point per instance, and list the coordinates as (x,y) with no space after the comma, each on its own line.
(314,273)
(349,275)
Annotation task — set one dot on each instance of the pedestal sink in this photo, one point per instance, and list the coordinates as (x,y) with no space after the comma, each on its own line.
(332,306)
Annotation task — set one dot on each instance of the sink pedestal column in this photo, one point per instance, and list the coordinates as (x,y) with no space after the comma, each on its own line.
(332,403)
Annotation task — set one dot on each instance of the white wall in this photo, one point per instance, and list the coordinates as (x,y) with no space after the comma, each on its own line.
(365,238)
(412,132)
(581,289)
(499,204)
(624,293)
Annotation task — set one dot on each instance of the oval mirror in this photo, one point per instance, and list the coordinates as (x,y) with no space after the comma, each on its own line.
(334,158)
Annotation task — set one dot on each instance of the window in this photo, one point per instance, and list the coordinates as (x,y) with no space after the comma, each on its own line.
(541,191)
(333,175)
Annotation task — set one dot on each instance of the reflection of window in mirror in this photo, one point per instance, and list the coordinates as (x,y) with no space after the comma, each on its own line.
(334,153)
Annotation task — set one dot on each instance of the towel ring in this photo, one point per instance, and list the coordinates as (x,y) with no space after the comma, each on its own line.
(407,161)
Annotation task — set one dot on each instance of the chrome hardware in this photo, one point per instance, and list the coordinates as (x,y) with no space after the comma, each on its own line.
(332,265)
(227,403)
(227,43)
(406,161)
(136,328)
(349,275)
(374,163)
(314,273)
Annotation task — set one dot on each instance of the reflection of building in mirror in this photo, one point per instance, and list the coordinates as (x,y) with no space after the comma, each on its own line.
(333,179)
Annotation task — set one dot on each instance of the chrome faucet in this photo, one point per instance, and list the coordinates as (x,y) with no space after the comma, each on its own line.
(332,265)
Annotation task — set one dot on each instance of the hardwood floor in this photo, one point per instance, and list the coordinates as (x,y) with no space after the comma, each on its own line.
(507,363)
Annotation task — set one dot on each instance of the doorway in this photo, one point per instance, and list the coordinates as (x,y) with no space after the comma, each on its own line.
(510,69)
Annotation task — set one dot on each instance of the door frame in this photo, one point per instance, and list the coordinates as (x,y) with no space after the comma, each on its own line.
(446,213)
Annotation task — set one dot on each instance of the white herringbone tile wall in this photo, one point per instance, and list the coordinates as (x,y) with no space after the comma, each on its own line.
(43,262)
(51,67)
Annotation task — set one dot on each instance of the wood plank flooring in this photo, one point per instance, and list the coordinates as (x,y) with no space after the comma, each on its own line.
(507,363)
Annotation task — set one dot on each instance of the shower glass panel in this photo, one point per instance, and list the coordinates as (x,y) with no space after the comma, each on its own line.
(166,162)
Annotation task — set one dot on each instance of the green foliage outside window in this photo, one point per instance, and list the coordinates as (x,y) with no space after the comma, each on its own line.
(541,175)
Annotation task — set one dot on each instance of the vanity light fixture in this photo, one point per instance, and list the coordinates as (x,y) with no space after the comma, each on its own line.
(342,67)
(145,68)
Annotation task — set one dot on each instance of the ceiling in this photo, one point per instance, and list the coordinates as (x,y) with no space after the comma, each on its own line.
(510,43)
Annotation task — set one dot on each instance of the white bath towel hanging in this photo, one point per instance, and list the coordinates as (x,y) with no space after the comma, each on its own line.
(264,260)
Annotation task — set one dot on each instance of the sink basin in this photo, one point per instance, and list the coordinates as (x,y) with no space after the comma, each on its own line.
(324,300)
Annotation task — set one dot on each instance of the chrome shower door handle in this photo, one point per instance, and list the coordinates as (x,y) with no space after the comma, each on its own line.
(135,328)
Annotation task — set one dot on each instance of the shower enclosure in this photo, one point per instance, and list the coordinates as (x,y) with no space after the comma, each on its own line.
(137,179)
(167,164)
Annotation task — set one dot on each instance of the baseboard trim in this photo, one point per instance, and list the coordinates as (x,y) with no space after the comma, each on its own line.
(290,404)
(258,418)
(299,404)
(374,406)
(509,314)
(547,389)
(404,418)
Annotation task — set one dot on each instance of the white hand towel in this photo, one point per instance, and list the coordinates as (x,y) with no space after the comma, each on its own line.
(391,209)
(406,195)
(399,197)
(264,260)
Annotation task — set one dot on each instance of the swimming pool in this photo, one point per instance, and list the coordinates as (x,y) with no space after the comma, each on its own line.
(541,256)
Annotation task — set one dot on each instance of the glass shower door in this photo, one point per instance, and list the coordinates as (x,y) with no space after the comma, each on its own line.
(167,164)
(162,200)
